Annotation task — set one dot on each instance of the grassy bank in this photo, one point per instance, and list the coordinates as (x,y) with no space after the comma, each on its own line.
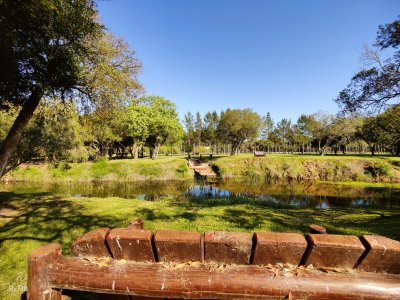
(166,168)
(28,220)
(273,167)
(384,169)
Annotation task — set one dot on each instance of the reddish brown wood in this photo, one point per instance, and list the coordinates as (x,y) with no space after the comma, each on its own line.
(218,282)
(178,246)
(383,254)
(275,247)
(132,244)
(92,243)
(317,229)
(38,260)
(228,247)
(136,224)
(328,250)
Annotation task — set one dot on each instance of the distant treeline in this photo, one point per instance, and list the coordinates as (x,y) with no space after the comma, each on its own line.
(235,131)
(149,125)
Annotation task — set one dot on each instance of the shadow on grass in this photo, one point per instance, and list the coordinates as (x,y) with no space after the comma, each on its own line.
(45,218)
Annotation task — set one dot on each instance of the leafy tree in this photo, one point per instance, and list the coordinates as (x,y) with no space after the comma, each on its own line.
(284,133)
(319,124)
(375,87)
(61,135)
(43,44)
(104,126)
(267,126)
(372,133)
(238,125)
(210,125)
(163,125)
(302,131)
(189,138)
(198,130)
(138,119)
(384,129)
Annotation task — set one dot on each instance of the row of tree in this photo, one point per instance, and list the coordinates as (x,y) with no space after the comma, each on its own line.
(58,132)
(244,130)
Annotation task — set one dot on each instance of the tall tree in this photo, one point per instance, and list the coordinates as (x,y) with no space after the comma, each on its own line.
(162,122)
(210,125)
(378,85)
(284,132)
(238,125)
(43,44)
(189,139)
(198,131)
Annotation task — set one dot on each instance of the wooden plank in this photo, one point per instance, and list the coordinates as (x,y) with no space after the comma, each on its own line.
(276,247)
(383,254)
(178,246)
(92,243)
(329,250)
(38,260)
(218,282)
(132,244)
(228,247)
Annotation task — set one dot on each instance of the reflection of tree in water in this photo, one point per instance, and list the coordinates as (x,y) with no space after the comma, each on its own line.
(292,194)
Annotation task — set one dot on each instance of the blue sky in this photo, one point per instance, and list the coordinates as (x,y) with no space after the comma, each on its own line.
(282,57)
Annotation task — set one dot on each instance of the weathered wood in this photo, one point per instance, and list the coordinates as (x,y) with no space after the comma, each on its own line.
(92,243)
(275,247)
(228,247)
(136,224)
(218,282)
(178,246)
(38,261)
(132,244)
(317,229)
(382,255)
(328,250)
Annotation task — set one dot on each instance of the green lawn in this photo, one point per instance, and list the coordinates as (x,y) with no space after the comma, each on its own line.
(28,220)
(128,170)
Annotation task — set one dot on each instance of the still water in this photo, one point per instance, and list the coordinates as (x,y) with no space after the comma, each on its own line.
(304,194)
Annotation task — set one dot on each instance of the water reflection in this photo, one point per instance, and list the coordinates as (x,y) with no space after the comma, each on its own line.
(305,194)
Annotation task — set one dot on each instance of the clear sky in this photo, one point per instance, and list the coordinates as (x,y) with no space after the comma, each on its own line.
(282,57)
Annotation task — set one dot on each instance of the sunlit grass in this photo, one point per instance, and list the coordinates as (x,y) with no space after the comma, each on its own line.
(31,219)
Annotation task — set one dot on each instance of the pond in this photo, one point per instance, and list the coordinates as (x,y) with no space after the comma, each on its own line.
(293,194)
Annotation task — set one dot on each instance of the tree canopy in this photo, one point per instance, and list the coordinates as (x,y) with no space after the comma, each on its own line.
(43,44)
(377,86)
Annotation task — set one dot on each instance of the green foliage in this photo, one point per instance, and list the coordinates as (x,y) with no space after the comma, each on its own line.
(238,125)
(376,86)
(43,44)
(154,120)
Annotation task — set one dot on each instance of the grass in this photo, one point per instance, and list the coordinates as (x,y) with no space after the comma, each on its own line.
(166,168)
(310,167)
(344,168)
(29,219)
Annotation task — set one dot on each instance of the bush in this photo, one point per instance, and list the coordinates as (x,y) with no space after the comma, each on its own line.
(79,154)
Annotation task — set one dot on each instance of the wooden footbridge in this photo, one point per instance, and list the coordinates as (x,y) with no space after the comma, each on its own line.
(201,170)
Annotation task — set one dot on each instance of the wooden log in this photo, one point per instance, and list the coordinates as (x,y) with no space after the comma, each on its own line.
(136,224)
(382,255)
(317,229)
(275,247)
(337,251)
(228,247)
(92,243)
(178,246)
(218,282)
(38,261)
(132,244)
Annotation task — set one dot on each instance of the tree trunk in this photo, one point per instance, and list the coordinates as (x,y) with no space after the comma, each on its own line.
(14,135)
